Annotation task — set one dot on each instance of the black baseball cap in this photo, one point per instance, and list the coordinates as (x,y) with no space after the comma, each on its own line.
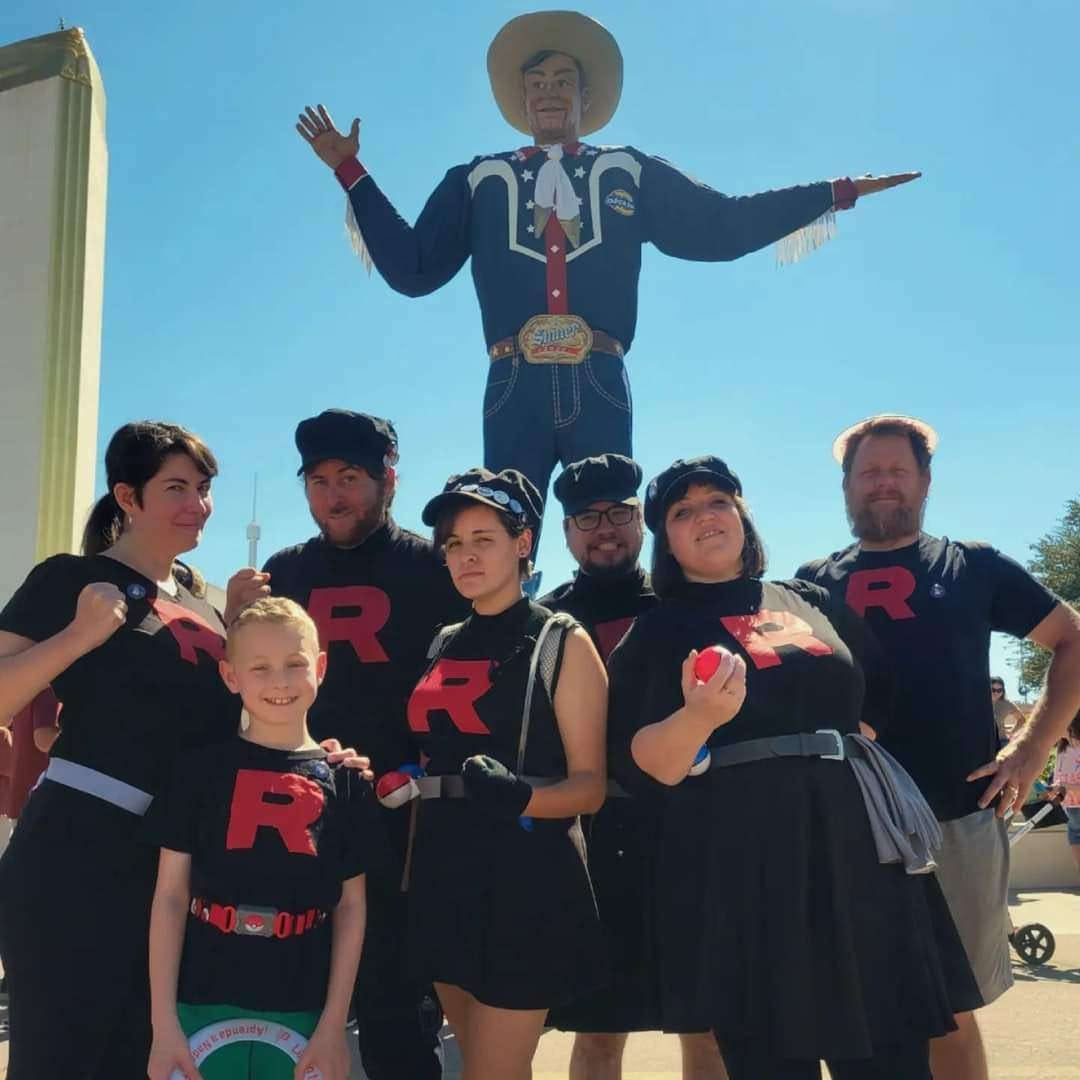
(352,437)
(510,491)
(705,470)
(605,478)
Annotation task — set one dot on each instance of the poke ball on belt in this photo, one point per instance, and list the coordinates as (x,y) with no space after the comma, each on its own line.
(708,661)
(394,789)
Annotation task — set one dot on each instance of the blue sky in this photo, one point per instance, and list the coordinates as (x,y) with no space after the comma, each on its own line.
(233,304)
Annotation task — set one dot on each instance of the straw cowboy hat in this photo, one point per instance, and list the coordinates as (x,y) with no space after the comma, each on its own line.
(569,32)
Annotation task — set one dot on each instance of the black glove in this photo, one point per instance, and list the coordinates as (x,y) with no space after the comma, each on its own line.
(493,786)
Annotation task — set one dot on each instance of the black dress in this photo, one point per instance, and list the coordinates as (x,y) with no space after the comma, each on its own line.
(500,911)
(775,921)
(621,836)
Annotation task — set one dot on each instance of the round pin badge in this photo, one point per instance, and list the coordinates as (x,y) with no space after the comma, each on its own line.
(321,770)
(501,498)
(136,591)
(937,591)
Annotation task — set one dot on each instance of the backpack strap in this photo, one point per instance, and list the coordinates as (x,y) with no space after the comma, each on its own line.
(544,661)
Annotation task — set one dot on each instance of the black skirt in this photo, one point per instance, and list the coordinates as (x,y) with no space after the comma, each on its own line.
(504,913)
(776,921)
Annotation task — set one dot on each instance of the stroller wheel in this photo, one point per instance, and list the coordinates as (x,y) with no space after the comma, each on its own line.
(1033,943)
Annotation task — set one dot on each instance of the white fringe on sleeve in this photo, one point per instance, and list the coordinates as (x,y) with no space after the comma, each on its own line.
(799,244)
(356,237)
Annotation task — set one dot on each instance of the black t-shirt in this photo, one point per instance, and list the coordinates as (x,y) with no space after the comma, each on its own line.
(606,607)
(150,691)
(377,607)
(800,672)
(275,830)
(932,606)
(471,698)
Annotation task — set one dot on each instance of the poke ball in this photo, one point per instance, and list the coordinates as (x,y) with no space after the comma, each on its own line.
(253,924)
(395,789)
(702,761)
(707,662)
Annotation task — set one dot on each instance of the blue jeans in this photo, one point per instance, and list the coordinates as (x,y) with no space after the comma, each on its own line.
(536,415)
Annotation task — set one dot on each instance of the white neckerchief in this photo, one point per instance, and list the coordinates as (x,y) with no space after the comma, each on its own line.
(553,188)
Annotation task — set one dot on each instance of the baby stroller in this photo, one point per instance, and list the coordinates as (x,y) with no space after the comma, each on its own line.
(1033,942)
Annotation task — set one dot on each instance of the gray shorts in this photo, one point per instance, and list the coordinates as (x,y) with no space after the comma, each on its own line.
(973,871)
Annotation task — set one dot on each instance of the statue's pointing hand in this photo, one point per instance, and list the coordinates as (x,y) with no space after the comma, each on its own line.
(871,185)
(318,131)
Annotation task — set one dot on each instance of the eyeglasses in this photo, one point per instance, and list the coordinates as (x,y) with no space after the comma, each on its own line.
(499,497)
(587,520)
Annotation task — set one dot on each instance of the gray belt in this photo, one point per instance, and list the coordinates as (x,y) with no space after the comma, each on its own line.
(102,786)
(827,744)
(902,824)
(453,785)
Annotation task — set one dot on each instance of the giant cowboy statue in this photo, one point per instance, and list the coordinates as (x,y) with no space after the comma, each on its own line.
(555,231)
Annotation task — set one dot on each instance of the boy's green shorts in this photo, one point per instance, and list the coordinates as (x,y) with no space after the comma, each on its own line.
(232,1043)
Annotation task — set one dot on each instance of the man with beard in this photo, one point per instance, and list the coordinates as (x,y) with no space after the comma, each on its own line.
(604,532)
(377,593)
(932,603)
(555,231)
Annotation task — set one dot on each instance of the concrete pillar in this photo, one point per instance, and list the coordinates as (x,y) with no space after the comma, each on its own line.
(53,174)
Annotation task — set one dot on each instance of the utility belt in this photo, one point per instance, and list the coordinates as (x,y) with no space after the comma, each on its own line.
(556,339)
(102,786)
(256,921)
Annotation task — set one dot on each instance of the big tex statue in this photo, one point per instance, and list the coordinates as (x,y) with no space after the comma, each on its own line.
(555,231)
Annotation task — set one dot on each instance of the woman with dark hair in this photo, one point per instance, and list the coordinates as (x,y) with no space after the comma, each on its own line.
(510,717)
(785,919)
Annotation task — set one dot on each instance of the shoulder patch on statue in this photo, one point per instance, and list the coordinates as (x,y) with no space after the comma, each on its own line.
(621,201)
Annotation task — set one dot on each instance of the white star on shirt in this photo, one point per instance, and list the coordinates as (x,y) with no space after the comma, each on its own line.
(529,205)
(527,174)
(530,229)
(591,153)
(579,172)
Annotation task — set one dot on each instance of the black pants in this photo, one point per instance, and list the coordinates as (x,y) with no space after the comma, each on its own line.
(75,893)
(900,1061)
(397,1020)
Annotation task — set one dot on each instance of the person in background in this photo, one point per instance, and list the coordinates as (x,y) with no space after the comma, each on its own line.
(1007,716)
(24,753)
(1067,776)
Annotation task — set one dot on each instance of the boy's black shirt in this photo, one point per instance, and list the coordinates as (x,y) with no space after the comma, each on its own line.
(932,606)
(271,829)
(377,607)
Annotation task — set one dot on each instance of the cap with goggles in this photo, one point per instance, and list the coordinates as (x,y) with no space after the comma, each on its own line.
(509,491)
(702,470)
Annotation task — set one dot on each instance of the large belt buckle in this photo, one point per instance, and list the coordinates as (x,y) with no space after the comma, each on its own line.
(839,755)
(555,339)
(255,921)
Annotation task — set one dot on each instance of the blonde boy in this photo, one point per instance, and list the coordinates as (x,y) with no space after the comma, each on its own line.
(258,918)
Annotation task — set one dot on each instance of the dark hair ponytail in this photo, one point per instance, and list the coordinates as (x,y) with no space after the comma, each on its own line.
(104,525)
(134,455)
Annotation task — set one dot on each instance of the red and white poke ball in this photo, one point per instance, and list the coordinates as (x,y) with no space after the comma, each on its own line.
(700,764)
(708,661)
(395,789)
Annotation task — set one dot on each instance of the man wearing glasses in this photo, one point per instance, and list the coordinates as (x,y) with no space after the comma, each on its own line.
(604,532)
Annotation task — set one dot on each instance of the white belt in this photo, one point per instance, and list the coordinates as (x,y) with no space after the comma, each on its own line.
(100,785)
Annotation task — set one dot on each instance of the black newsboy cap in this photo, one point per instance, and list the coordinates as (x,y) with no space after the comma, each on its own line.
(605,478)
(704,470)
(352,437)
(510,491)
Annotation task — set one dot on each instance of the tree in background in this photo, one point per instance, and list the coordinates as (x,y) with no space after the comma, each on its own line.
(1056,563)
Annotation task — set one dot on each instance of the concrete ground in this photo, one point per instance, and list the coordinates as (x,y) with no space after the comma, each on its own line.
(1032,1032)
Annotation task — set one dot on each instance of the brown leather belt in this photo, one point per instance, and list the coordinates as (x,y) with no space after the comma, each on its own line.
(601,342)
